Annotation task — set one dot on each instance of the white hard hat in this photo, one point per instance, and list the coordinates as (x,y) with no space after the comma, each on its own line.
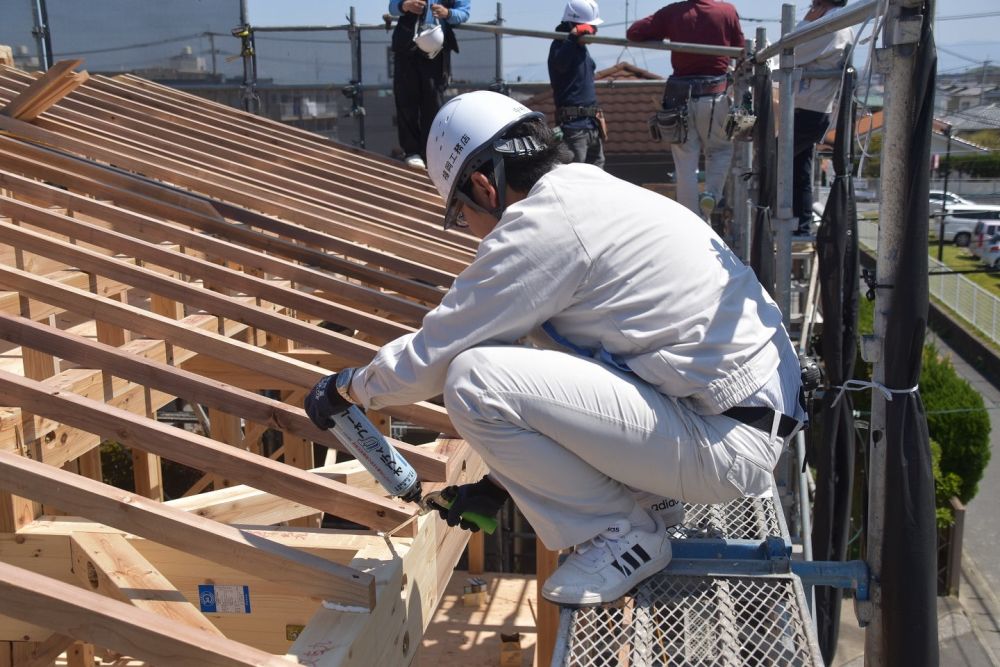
(466,134)
(430,40)
(582,11)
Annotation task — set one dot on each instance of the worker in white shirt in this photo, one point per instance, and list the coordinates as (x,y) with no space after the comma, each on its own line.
(814,100)
(659,362)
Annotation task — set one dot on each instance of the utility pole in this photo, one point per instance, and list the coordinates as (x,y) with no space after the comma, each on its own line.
(944,197)
(211,42)
(785,219)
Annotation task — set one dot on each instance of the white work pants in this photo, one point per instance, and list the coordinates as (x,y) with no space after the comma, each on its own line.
(566,435)
(706,132)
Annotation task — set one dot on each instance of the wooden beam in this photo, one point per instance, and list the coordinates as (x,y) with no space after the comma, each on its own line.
(352,351)
(44,653)
(108,564)
(45,91)
(281,239)
(147,372)
(71,610)
(409,587)
(220,276)
(205,454)
(310,575)
(143,225)
(351,238)
(156,326)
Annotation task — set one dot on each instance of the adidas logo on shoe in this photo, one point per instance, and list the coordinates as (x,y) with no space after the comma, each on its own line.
(606,567)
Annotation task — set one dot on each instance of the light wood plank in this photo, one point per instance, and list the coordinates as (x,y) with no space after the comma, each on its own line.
(155,326)
(44,91)
(130,364)
(281,239)
(205,454)
(136,632)
(310,575)
(108,564)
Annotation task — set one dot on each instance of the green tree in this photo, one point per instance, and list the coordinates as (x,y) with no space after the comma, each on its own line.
(957,419)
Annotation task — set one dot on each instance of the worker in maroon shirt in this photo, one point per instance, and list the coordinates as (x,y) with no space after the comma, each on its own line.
(696,93)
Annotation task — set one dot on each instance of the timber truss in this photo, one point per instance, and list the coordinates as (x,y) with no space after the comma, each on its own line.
(154,247)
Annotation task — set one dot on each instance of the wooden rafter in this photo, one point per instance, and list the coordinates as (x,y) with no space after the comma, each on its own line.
(204,453)
(176,381)
(108,564)
(139,194)
(71,610)
(311,576)
(218,276)
(48,89)
(245,355)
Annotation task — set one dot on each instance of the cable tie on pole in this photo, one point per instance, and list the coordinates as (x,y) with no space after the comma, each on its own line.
(860,385)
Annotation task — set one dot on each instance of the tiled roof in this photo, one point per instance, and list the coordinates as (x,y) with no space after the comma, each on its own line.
(625,109)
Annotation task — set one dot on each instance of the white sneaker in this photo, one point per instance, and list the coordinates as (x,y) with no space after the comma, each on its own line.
(606,567)
(414,162)
(670,510)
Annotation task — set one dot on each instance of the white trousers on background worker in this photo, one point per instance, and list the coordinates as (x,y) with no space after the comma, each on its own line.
(706,133)
(566,435)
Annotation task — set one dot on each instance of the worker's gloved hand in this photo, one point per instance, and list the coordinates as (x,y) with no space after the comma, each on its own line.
(580,30)
(323,401)
(483,498)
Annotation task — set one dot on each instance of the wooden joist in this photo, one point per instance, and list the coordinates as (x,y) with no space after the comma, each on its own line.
(281,239)
(204,454)
(147,372)
(108,564)
(311,576)
(156,326)
(73,611)
(46,90)
(220,277)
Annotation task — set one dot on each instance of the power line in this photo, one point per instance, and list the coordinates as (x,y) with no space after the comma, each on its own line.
(958,55)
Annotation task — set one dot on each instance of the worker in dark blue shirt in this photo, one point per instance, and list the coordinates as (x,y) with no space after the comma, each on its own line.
(571,73)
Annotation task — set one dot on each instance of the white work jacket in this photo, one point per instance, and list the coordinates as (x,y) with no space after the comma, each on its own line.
(826,52)
(612,267)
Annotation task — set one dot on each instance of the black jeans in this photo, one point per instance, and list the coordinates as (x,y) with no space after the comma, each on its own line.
(418,85)
(810,126)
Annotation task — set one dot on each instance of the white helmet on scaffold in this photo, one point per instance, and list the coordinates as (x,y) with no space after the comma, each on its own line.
(582,11)
(467,133)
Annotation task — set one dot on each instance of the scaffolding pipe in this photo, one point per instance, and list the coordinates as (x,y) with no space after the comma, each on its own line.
(786,148)
(356,89)
(741,166)
(843,18)
(897,56)
(498,45)
(43,37)
(665,45)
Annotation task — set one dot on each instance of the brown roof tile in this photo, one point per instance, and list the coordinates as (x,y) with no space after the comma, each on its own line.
(626,109)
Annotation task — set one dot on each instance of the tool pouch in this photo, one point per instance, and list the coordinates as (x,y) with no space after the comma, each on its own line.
(670,125)
(602,125)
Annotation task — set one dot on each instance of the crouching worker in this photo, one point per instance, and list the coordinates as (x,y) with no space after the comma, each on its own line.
(658,361)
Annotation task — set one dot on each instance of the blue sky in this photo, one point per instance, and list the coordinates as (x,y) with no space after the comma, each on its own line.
(963,41)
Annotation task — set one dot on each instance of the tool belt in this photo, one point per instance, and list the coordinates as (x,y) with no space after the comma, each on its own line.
(762,418)
(566,114)
(681,88)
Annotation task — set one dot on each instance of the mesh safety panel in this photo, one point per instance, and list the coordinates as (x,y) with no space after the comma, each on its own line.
(697,622)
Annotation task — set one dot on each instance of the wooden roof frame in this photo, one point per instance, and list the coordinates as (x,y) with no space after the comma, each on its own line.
(161,246)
